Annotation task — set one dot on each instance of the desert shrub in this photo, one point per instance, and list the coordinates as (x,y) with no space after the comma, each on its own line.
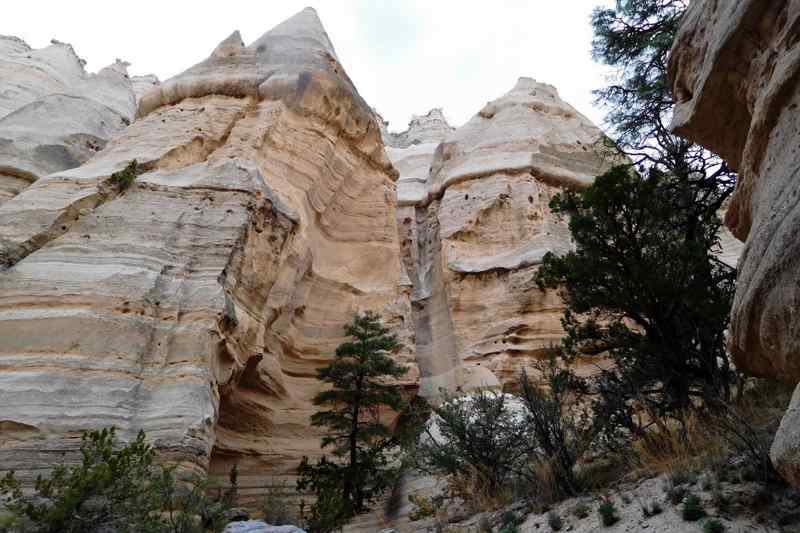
(692,508)
(423,507)
(277,506)
(481,436)
(124,178)
(561,429)
(494,446)
(713,526)
(678,449)
(554,521)
(113,488)
(608,512)
(580,510)
(749,425)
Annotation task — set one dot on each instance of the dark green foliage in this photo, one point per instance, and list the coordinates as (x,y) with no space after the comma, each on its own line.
(643,285)
(608,513)
(325,480)
(113,488)
(692,508)
(510,522)
(360,378)
(635,37)
(647,281)
(124,178)
(713,526)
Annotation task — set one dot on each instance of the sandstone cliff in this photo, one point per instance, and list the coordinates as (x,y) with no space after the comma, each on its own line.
(53,114)
(474,221)
(271,205)
(198,304)
(736,73)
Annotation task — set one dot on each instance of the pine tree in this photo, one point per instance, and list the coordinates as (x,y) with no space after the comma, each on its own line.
(361,378)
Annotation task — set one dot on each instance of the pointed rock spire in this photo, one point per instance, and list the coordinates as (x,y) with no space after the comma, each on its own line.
(230,46)
(303,25)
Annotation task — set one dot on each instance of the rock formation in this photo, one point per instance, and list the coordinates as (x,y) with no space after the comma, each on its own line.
(474,221)
(198,303)
(736,73)
(270,205)
(53,115)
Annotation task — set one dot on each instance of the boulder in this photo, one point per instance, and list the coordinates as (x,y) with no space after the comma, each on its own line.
(735,69)
(258,526)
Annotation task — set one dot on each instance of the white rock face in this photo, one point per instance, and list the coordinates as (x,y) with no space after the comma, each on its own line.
(198,304)
(53,114)
(259,526)
(475,223)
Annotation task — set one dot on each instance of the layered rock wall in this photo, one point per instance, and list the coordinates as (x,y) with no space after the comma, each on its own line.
(475,224)
(53,114)
(271,205)
(198,304)
(735,67)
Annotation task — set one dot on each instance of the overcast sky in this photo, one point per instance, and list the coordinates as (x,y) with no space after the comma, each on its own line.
(404,56)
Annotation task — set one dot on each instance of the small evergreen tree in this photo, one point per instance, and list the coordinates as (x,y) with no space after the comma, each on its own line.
(361,386)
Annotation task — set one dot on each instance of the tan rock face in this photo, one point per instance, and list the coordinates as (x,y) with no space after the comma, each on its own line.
(198,304)
(53,114)
(271,206)
(736,69)
(475,223)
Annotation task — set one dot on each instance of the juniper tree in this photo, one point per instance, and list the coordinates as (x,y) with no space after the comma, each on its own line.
(644,283)
(638,289)
(361,379)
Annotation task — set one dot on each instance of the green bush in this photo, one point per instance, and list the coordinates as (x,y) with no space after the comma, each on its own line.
(510,522)
(113,489)
(692,508)
(713,526)
(124,178)
(608,513)
(581,510)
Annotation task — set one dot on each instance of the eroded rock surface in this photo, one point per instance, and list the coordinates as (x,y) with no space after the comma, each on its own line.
(475,223)
(198,303)
(53,114)
(736,73)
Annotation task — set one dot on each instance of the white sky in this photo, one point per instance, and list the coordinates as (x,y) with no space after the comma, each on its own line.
(404,56)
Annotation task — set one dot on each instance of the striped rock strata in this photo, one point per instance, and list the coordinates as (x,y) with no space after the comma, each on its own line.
(53,114)
(474,221)
(198,304)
